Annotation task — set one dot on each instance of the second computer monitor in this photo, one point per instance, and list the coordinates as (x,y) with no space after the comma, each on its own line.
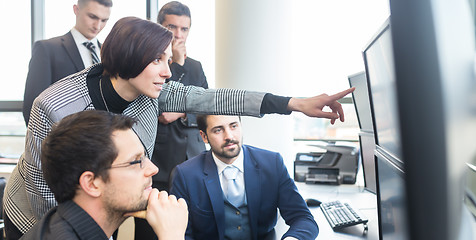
(360,97)
(367,148)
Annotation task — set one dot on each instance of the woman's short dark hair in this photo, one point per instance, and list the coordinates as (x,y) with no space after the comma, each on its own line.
(80,142)
(132,44)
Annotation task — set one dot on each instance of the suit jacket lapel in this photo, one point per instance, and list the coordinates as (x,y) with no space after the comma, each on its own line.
(252,188)
(72,50)
(212,183)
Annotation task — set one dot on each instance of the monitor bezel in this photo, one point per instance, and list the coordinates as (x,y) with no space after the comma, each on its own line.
(366,168)
(384,27)
(351,78)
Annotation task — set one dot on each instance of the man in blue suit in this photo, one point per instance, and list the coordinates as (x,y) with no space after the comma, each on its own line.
(244,207)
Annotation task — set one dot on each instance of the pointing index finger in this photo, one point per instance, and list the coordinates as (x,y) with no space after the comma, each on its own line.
(342,94)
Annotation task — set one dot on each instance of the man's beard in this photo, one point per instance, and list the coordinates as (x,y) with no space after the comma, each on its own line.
(222,153)
(116,209)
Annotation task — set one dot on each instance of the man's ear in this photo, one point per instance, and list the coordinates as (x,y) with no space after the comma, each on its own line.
(91,184)
(204,136)
(75,9)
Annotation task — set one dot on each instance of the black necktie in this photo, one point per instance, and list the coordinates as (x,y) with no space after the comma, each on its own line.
(91,47)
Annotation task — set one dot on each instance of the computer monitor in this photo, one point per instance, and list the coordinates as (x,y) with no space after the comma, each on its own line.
(360,97)
(391,198)
(379,66)
(390,174)
(367,148)
(434,49)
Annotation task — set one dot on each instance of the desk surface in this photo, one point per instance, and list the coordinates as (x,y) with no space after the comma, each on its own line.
(357,196)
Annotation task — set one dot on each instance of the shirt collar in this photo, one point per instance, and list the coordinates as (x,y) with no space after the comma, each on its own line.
(238,163)
(80,39)
(82,223)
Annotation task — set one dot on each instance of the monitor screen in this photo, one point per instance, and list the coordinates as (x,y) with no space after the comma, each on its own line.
(390,176)
(391,199)
(434,56)
(367,148)
(378,59)
(360,97)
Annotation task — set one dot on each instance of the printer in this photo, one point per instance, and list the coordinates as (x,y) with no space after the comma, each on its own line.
(337,165)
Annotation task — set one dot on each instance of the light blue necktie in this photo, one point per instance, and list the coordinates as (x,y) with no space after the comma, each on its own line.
(235,192)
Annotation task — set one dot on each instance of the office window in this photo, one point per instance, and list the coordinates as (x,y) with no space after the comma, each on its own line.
(306,128)
(327,42)
(200,44)
(63,10)
(16,50)
(12,134)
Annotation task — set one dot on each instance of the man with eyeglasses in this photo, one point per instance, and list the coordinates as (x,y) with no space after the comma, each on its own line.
(96,167)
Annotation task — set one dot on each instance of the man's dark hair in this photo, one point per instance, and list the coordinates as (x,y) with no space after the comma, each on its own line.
(80,142)
(106,3)
(202,122)
(132,44)
(173,8)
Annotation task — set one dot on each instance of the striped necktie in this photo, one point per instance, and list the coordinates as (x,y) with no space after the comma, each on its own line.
(92,49)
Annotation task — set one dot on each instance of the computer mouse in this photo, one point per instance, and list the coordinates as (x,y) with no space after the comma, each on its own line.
(311,202)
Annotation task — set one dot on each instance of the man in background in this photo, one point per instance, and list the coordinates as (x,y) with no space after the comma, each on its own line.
(58,57)
(235,190)
(96,167)
(178,138)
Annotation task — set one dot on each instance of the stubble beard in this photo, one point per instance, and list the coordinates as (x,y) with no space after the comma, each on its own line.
(228,154)
(116,209)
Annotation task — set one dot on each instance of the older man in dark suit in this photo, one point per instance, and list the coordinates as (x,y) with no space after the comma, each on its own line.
(61,56)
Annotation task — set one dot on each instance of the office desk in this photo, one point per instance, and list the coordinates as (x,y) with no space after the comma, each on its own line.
(359,198)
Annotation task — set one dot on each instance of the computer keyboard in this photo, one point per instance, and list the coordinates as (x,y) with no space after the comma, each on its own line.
(341,215)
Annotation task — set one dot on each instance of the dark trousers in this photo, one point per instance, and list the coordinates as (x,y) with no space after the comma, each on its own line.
(143,231)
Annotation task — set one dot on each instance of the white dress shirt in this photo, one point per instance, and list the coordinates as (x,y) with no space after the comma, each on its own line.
(79,39)
(238,163)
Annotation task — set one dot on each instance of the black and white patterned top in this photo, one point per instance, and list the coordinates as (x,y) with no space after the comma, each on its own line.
(27,196)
